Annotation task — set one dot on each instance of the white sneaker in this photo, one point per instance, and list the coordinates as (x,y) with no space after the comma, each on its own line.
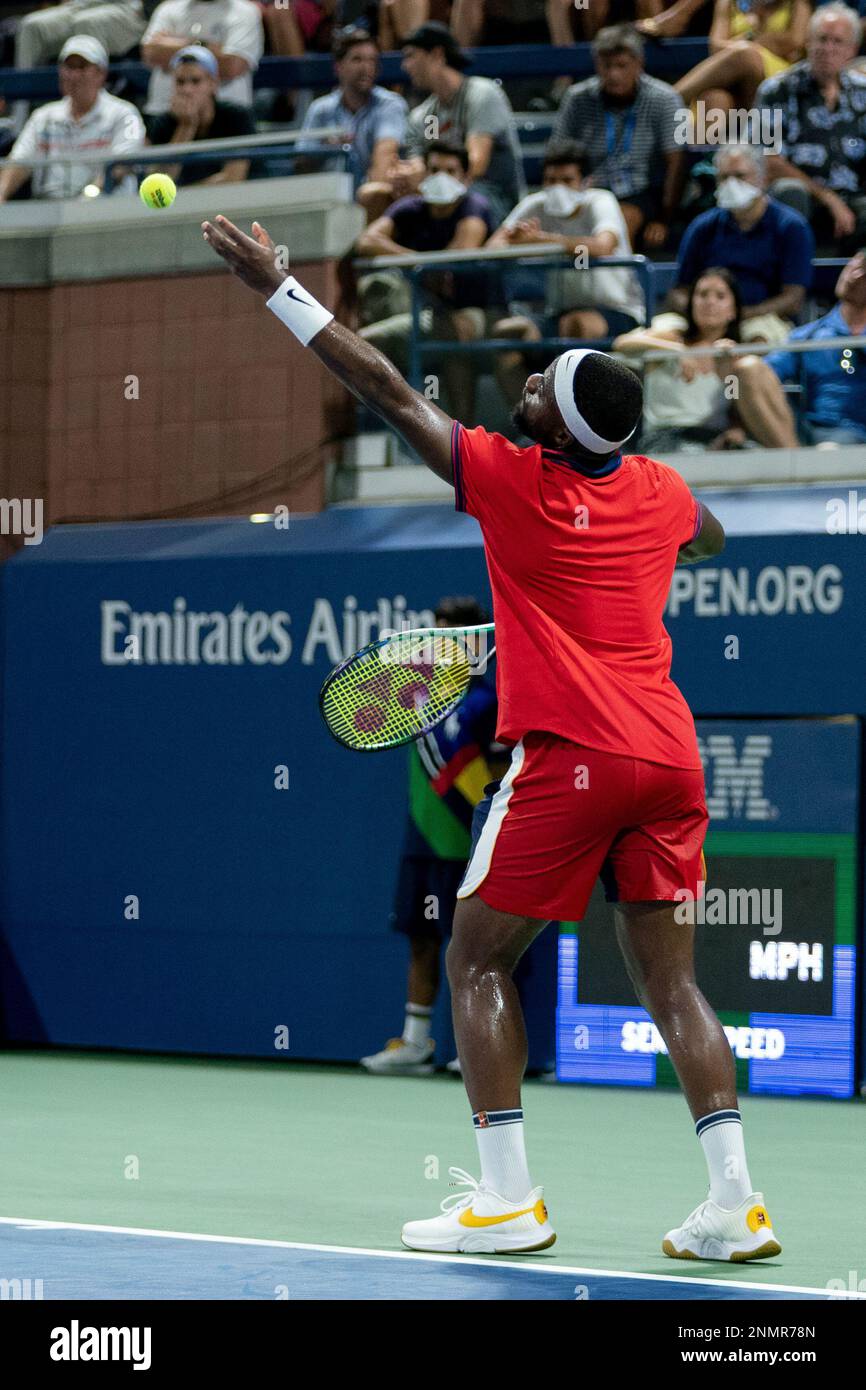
(400,1058)
(482,1222)
(454,1067)
(712,1233)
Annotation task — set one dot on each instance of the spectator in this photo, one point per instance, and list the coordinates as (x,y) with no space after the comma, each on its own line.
(584,222)
(198,114)
(448,772)
(768,247)
(475,22)
(628,122)
(686,403)
(231,29)
(680,18)
(820,168)
(445,215)
(300,26)
(117,24)
(86,120)
(592,15)
(833,381)
(373,118)
(471,110)
(746,46)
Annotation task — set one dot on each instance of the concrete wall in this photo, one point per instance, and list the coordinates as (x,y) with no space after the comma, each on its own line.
(128,392)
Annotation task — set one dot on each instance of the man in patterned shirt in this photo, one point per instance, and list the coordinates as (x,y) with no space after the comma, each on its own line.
(820,169)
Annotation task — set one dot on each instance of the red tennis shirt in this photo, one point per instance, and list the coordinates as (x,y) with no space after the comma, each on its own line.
(580,564)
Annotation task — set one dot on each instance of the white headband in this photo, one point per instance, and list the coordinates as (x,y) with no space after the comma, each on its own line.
(563,390)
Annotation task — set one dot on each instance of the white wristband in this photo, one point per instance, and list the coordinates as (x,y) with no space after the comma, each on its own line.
(298,310)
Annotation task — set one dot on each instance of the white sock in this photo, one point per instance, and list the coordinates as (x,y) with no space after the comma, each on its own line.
(416,1026)
(721,1136)
(502,1151)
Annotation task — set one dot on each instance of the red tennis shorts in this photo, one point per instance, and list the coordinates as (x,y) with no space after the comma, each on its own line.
(564,814)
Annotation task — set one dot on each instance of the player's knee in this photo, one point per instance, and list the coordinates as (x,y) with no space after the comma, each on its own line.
(472,954)
(667,996)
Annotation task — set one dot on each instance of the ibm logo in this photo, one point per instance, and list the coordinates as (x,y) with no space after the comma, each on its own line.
(735,784)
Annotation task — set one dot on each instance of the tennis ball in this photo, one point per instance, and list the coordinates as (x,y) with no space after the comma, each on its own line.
(157,191)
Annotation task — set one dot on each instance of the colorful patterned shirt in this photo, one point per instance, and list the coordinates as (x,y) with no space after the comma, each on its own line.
(448,771)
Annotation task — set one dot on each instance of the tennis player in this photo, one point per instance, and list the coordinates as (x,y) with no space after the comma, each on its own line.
(605,778)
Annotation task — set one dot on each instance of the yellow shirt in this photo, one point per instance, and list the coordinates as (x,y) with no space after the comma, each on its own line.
(744,26)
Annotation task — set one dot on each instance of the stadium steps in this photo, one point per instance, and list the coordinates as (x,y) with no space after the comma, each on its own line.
(379,471)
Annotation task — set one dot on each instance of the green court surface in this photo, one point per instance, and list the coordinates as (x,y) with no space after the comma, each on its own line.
(329,1155)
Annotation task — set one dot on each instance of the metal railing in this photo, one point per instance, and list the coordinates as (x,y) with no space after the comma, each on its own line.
(310,145)
(798,345)
(543,257)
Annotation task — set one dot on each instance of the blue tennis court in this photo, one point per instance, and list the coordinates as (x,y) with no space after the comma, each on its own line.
(103,1262)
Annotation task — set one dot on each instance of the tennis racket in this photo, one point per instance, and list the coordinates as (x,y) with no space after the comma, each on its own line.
(400,687)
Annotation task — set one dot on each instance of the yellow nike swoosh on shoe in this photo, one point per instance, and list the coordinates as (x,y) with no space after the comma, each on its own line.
(468,1218)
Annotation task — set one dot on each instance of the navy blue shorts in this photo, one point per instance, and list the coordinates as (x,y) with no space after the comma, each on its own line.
(426,895)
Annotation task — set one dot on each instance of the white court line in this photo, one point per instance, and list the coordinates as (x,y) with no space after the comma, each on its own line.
(28,1223)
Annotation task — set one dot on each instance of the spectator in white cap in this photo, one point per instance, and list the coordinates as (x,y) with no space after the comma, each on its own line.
(117,24)
(198,113)
(85,119)
(231,29)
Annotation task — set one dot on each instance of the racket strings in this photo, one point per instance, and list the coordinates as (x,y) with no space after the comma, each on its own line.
(393,692)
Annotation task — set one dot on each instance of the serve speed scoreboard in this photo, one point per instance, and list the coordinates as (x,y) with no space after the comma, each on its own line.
(775,933)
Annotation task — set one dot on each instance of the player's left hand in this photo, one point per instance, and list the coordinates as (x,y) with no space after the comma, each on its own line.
(253,259)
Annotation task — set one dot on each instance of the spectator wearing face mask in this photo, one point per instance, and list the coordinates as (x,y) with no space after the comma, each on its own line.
(584,222)
(767,246)
(444,215)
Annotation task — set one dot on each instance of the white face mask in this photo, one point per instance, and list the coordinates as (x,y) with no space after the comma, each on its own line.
(440,189)
(560,200)
(735,194)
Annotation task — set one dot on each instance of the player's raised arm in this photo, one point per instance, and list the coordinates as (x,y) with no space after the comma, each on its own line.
(710,539)
(357,364)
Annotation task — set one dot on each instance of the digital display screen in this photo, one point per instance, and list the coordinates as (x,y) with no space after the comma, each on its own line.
(776,932)
(775,957)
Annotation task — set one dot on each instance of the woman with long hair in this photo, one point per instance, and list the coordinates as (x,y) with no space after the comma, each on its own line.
(686,408)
